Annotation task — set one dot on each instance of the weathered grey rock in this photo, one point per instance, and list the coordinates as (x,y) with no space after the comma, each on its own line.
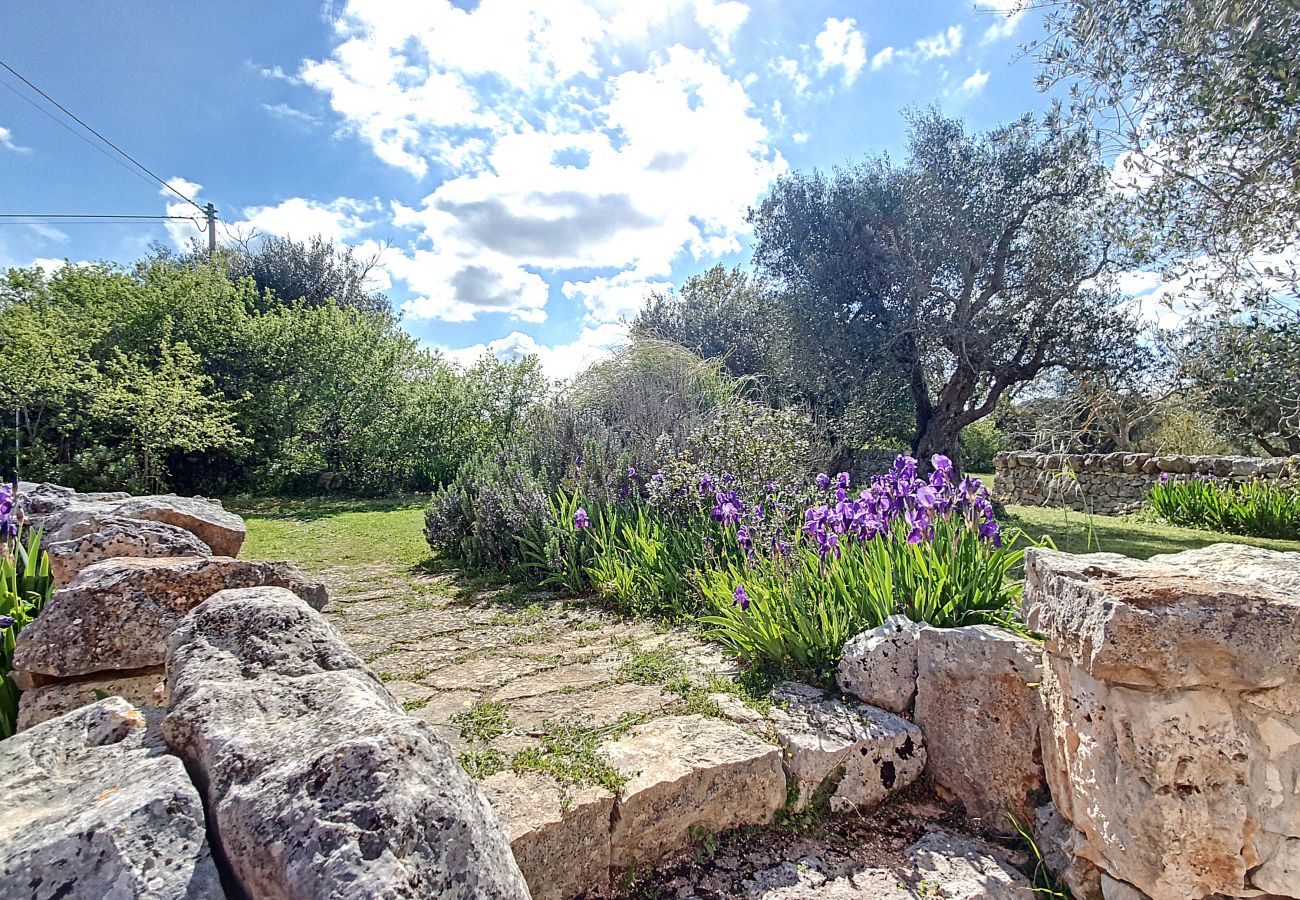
(317,784)
(685,772)
(117,614)
(561,842)
(118,536)
(978,707)
(1155,624)
(961,869)
(1279,868)
(88,810)
(879,665)
(223,531)
(1240,562)
(1112,889)
(53,700)
(863,753)
(1060,844)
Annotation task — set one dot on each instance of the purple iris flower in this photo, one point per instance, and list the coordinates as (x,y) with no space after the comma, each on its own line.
(744,540)
(741,599)
(706,484)
(631,473)
(580,519)
(770,487)
(842,480)
(1164,477)
(927,497)
(728,508)
(6,622)
(728,478)
(991,531)
(658,477)
(823,481)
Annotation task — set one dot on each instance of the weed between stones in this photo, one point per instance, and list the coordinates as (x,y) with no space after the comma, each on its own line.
(568,754)
(485,720)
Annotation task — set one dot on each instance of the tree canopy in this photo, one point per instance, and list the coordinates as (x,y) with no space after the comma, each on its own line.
(974,266)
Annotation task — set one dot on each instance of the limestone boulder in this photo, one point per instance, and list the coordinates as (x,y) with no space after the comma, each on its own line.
(879,665)
(854,754)
(962,869)
(686,772)
(978,708)
(1060,845)
(1158,624)
(143,691)
(314,778)
(223,531)
(560,840)
(118,536)
(1240,562)
(117,614)
(89,809)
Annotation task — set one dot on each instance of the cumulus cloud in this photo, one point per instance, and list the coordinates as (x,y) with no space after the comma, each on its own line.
(945,43)
(789,68)
(559,361)
(841,44)
(975,83)
(721,20)
(625,171)
(882,59)
(335,220)
(1008,14)
(7,142)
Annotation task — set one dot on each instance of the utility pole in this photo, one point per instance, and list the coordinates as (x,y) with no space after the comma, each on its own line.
(212,230)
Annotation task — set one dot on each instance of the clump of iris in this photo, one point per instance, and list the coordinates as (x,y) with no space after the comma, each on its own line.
(580,519)
(10,512)
(901,498)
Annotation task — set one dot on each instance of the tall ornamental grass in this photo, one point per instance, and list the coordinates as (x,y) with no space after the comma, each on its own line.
(1268,509)
(25,587)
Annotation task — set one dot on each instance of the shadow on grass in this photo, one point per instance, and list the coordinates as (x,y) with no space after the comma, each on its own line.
(310,509)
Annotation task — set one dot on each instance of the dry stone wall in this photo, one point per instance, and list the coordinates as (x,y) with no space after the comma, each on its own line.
(1112,484)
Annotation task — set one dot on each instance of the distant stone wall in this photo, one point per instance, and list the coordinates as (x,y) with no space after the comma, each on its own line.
(1112,484)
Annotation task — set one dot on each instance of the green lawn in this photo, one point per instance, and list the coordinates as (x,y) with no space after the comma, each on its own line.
(1079,533)
(324,533)
(320,533)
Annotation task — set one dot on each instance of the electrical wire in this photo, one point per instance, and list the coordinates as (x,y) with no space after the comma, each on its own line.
(139,165)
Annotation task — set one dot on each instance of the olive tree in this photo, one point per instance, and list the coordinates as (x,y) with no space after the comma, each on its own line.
(1199,103)
(972,267)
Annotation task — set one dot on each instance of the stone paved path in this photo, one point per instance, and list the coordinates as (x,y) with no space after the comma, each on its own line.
(528,688)
(495,671)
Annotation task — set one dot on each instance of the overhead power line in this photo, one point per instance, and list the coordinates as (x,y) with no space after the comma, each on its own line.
(135,162)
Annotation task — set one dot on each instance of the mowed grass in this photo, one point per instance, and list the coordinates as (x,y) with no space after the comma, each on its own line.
(1078,533)
(321,533)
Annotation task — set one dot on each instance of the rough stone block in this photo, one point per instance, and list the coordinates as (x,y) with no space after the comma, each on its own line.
(117,614)
(561,842)
(88,809)
(118,536)
(864,753)
(314,777)
(1157,624)
(53,700)
(978,708)
(879,665)
(223,531)
(966,870)
(685,772)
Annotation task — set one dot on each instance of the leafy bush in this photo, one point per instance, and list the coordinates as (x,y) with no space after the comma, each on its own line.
(479,518)
(25,587)
(980,442)
(1257,508)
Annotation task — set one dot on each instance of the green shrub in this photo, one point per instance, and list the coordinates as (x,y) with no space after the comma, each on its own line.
(1256,508)
(980,442)
(479,518)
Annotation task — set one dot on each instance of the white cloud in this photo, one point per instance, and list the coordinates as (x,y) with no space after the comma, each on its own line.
(336,220)
(799,137)
(49,266)
(975,83)
(7,142)
(1009,13)
(285,111)
(722,20)
(611,299)
(558,361)
(790,69)
(552,158)
(841,44)
(945,43)
(882,59)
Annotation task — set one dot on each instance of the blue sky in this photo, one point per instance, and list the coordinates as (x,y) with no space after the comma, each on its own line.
(535,168)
